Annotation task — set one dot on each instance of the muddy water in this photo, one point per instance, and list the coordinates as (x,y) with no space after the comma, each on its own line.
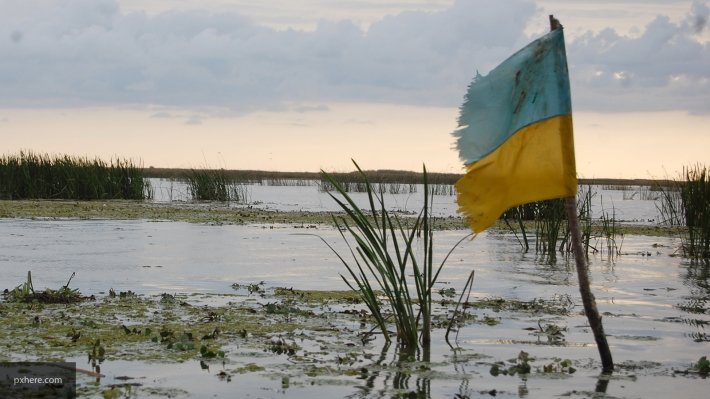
(655,307)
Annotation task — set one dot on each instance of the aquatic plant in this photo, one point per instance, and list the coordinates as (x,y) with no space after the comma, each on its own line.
(687,202)
(559,366)
(385,254)
(26,293)
(584,215)
(702,366)
(670,206)
(393,182)
(609,233)
(695,194)
(548,228)
(43,176)
(214,185)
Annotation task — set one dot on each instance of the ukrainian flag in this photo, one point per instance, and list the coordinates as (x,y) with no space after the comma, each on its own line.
(515,134)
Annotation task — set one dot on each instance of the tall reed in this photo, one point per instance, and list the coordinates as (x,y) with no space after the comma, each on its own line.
(686,202)
(385,255)
(43,176)
(584,215)
(549,232)
(695,195)
(548,227)
(214,185)
(609,233)
(670,206)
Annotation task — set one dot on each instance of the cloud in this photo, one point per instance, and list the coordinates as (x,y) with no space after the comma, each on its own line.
(301,109)
(90,52)
(162,115)
(666,67)
(194,120)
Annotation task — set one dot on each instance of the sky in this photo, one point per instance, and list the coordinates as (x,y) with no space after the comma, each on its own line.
(310,85)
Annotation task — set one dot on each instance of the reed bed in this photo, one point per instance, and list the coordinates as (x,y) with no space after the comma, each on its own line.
(277,182)
(354,186)
(550,232)
(214,185)
(687,203)
(42,176)
(377,176)
(275,178)
(621,187)
(546,218)
(695,195)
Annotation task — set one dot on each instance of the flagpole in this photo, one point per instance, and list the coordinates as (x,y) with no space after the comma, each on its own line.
(590,305)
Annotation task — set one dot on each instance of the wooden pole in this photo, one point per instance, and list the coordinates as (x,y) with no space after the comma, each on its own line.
(590,304)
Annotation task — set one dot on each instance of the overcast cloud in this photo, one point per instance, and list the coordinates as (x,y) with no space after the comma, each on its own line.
(91,52)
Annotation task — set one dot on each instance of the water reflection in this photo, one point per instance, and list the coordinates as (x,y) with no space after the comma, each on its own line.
(380,380)
(602,383)
(398,374)
(696,277)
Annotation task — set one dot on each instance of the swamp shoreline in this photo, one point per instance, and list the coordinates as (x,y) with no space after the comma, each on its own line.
(257,339)
(215,212)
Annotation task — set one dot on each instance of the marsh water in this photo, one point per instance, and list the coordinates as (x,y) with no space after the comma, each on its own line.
(655,303)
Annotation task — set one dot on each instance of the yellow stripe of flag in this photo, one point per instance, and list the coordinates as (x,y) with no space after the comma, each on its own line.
(515,134)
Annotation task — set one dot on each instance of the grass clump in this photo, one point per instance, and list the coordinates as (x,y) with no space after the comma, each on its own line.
(385,256)
(43,176)
(214,185)
(547,217)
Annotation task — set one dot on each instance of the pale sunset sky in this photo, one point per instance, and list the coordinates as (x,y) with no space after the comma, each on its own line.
(308,85)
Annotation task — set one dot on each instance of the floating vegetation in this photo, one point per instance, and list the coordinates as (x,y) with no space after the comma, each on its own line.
(26,293)
(559,366)
(520,365)
(43,176)
(557,305)
(252,288)
(554,333)
(242,341)
(348,296)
